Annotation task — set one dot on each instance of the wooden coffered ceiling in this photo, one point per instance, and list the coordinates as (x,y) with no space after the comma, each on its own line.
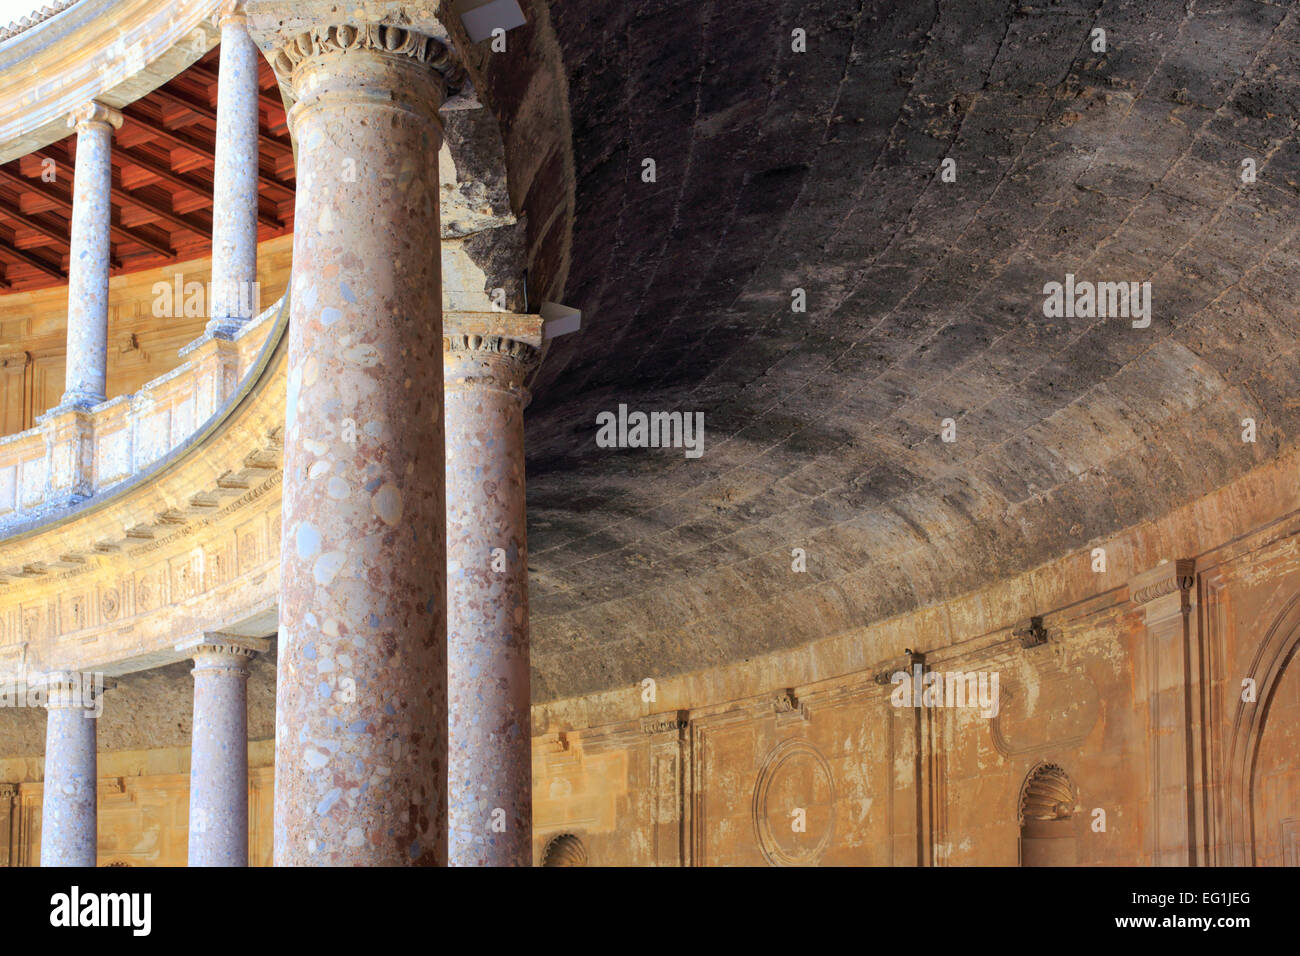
(162,184)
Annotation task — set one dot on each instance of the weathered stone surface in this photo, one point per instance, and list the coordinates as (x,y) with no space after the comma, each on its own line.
(489,762)
(779,170)
(361,717)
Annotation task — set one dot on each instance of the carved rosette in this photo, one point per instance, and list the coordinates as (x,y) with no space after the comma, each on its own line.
(343,39)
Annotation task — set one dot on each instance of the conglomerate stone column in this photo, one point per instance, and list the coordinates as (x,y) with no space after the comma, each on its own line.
(361,721)
(219,751)
(234,191)
(88,256)
(68,812)
(489,769)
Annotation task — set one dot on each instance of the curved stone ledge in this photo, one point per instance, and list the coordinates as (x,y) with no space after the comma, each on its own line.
(75,455)
(114,51)
(188,547)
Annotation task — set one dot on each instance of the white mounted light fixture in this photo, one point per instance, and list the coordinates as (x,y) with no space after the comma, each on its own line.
(558,319)
(481,17)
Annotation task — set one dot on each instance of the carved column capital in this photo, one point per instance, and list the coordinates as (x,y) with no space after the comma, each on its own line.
(71,689)
(490,360)
(94,113)
(224,652)
(331,40)
(230,11)
(494,349)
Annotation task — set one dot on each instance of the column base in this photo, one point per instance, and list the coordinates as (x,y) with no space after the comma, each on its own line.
(225,329)
(71,403)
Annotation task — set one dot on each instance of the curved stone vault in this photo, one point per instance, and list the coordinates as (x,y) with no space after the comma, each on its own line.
(820,171)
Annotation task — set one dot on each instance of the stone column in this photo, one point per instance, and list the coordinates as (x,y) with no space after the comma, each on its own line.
(88,256)
(68,814)
(219,751)
(489,767)
(361,719)
(234,181)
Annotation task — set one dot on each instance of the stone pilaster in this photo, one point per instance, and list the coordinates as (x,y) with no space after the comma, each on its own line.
(88,256)
(361,717)
(1166,596)
(69,454)
(68,811)
(216,374)
(219,750)
(233,299)
(489,767)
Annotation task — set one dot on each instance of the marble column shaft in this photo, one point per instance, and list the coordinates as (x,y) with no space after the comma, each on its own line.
(219,756)
(489,770)
(88,256)
(68,810)
(361,721)
(235,186)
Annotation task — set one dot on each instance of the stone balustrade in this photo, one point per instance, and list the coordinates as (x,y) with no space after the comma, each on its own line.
(71,456)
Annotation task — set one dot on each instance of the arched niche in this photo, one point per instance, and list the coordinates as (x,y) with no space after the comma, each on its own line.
(1048,800)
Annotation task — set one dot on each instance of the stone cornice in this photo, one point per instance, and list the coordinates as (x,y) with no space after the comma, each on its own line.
(113,51)
(34,19)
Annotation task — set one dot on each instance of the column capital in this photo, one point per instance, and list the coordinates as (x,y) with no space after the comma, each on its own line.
(217,648)
(94,113)
(82,690)
(232,12)
(490,348)
(329,40)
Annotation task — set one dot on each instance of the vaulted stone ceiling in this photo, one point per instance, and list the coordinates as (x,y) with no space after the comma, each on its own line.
(820,171)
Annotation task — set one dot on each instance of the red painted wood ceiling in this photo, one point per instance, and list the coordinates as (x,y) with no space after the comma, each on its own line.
(162,184)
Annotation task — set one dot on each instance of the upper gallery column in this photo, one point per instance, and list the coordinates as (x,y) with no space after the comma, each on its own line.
(68,811)
(88,256)
(490,763)
(361,719)
(234,192)
(219,750)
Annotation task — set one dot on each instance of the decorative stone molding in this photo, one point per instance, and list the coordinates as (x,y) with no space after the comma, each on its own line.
(92,114)
(1165,579)
(492,344)
(344,38)
(35,18)
(674,722)
(774,776)
(787,708)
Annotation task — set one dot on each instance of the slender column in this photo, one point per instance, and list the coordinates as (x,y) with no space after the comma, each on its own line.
(361,721)
(68,814)
(88,256)
(489,768)
(219,751)
(234,194)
